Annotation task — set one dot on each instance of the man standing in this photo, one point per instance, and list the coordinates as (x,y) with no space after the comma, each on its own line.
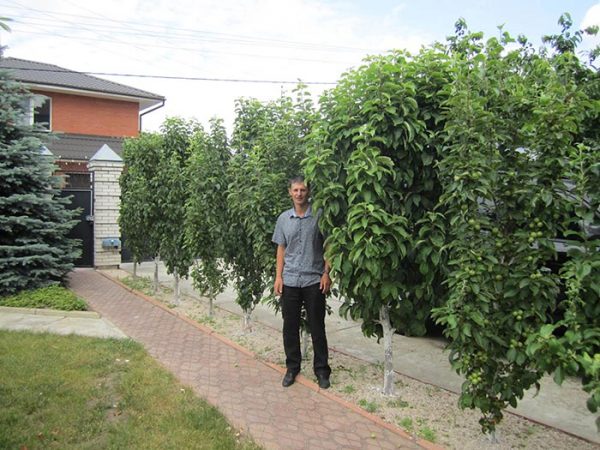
(302,278)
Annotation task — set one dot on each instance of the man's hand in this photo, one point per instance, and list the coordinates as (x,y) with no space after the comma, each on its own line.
(278,287)
(325,283)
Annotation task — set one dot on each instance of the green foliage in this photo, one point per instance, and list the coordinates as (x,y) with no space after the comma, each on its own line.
(349,389)
(269,141)
(571,346)
(514,122)
(406,423)
(368,406)
(50,297)
(142,284)
(171,187)
(206,208)
(372,168)
(139,212)
(567,41)
(428,434)
(154,194)
(34,219)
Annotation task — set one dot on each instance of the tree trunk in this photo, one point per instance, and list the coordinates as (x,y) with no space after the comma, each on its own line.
(155,283)
(248,320)
(305,334)
(135,265)
(211,305)
(176,288)
(388,364)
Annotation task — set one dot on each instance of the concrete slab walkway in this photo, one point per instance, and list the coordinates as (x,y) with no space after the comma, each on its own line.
(84,323)
(246,390)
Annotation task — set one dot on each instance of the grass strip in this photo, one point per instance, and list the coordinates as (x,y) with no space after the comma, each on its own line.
(73,392)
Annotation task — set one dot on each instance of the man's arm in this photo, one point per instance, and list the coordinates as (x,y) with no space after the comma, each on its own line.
(279,270)
(325,284)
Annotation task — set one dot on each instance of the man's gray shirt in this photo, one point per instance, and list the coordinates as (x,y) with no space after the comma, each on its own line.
(303,263)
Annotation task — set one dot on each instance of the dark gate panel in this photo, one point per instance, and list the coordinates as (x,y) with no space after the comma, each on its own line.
(126,255)
(84,230)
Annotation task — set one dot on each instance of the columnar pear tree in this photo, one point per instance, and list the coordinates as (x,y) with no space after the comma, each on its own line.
(372,168)
(172,191)
(517,174)
(138,213)
(269,141)
(571,346)
(34,220)
(206,209)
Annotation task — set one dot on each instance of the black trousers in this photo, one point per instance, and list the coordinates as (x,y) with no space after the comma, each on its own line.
(292,300)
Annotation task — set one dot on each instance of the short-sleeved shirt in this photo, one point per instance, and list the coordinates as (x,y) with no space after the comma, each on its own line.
(303,263)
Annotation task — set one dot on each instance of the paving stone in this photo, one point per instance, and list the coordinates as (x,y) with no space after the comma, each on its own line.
(247,391)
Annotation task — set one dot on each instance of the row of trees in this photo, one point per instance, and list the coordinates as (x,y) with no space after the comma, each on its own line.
(445,178)
(207,205)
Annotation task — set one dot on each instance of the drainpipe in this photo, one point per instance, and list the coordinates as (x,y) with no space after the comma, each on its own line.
(149,111)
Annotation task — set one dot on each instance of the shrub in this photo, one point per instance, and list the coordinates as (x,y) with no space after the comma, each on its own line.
(50,297)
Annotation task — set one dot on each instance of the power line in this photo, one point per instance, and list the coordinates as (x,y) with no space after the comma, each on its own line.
(172,77)
(187,33)
(185,49)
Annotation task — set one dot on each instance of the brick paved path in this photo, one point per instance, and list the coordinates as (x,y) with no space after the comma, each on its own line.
(247,391)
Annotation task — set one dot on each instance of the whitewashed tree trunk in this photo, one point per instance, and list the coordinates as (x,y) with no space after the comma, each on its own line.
(388,364)
(155,283)
(135,265)
(247,320)
(211,305)
(493,437)
(176,288)
(305,335)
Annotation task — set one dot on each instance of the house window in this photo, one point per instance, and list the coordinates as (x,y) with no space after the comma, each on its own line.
(78,181)
(38,111)
(41,111)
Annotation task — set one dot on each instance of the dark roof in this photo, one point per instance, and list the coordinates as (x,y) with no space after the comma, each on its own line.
(81,146)
(55,76)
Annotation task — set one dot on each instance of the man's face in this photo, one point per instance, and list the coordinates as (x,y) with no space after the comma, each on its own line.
(299,193)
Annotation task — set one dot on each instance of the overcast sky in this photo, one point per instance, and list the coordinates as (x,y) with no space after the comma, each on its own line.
(262,40)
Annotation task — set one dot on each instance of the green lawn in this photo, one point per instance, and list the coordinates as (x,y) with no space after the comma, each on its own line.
(70,392)
(52,297)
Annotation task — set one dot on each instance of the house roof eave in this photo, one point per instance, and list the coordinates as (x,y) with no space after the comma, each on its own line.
(49,76)
(144,102)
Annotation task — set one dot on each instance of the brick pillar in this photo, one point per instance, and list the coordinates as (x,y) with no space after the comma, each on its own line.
(106,167)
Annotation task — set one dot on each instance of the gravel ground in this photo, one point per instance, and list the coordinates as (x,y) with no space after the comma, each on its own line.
(421,409)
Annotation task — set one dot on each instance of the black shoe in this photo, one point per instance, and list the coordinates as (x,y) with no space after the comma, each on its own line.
(289,378)
(323,381)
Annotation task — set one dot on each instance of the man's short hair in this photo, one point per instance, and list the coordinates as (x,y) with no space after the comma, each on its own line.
(297,179)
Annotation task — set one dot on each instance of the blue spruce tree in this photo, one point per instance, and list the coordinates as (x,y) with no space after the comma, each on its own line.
(34,220)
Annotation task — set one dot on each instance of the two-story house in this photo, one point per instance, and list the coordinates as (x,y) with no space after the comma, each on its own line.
(89,117)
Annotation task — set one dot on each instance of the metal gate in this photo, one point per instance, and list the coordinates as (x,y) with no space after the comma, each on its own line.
(84,230)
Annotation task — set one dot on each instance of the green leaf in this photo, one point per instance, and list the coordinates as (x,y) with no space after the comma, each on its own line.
(546,330)
(466,329)
(451,321)
(437,240)
(559,375)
